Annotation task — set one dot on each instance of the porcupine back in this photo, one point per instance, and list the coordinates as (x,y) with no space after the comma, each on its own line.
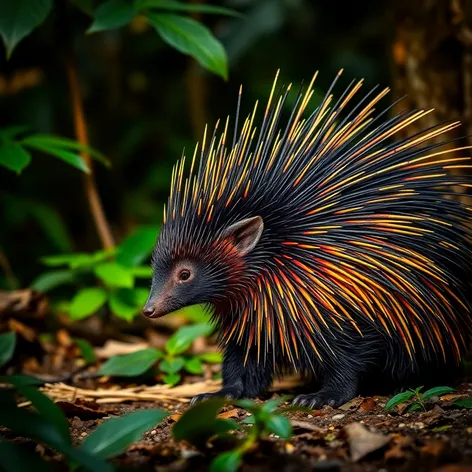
(361,239)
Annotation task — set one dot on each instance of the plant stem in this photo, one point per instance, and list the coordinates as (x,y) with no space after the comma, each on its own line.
(90,185)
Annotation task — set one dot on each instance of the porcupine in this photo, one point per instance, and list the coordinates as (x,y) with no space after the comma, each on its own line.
(323,246)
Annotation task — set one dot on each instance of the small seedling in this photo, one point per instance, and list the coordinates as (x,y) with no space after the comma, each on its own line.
(200,423)
(419,398)
(172,360)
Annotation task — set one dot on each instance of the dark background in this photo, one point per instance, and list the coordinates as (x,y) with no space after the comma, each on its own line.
(144,102)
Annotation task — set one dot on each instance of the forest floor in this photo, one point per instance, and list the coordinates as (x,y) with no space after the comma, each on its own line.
(359,436)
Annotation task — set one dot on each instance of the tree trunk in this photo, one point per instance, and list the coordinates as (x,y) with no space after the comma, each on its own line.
(432,60)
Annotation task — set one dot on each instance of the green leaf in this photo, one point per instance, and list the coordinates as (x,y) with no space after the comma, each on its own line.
(112,14)
(7,347)
(77,260)
(195,313)
(212,357)
(270,405)
(413,407)
(46,408)
(191,37)
(172,379)
(86,349)
(114,275)
(251,419)
(464,402)
(87,302)
(182,339)
(14,458)
(113,436)
(131,365)
(71,158)
(440,429)
(49,280)
(138,246)
(144,272)
(10,132)
(123,305)
(194,366)
(169,5)
(12,155)
(20,379)
(31,425)
(72,260)
(199,423)
(436,392)
(58,142)
(18,18)
(399,398)
(172,365)
(226,462)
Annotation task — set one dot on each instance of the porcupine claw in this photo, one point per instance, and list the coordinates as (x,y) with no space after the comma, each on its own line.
(228,395)
(321,398)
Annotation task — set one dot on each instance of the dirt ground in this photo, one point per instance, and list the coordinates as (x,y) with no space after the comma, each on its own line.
(359,436)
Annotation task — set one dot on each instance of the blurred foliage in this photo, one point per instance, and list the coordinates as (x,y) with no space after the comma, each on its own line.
(144,103)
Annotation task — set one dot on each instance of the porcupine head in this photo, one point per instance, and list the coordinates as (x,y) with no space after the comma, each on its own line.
(309,243)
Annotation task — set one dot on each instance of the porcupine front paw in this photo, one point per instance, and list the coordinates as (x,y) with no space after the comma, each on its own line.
(227,393)
(323,397)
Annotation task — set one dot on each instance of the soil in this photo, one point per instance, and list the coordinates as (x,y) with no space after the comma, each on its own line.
(438,440)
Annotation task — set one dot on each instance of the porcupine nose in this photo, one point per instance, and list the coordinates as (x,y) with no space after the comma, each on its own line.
(148,311)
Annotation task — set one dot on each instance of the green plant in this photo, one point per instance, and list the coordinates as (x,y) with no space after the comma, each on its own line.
(48,425)
(105,277)
(419,398)
(172,360)
(181,32)
(16,143)
(200,423)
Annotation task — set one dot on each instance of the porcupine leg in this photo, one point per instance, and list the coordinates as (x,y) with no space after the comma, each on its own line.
(337,389)
(240,379)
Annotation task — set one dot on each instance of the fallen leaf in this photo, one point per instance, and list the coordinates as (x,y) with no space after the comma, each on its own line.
(368,404)
(112,348)
(175,416)
(25,304)
(452,396)
(362,441)
(24,331)
(454,468)
(433,447)
(352,404)
(233,413)
(63,338)
(296,424)
(85,410)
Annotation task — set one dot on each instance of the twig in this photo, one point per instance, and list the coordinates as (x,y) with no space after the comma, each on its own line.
(91,191)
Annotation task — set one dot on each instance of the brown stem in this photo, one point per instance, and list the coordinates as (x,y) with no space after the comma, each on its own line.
(90,185)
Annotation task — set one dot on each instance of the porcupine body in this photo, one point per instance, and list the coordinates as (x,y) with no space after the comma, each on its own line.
(322,245)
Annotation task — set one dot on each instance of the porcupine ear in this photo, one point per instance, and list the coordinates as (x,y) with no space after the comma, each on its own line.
(245,233)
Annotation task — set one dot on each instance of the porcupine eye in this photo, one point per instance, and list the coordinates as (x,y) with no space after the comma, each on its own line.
(184,275)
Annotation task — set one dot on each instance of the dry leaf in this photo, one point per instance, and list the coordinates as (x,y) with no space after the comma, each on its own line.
(351,404)
(306,426)
(362,441)
(434,447)
(24,331)
(454,468)
(233,413)
(368,404)
(175,417)
(63,338)
(112,348)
